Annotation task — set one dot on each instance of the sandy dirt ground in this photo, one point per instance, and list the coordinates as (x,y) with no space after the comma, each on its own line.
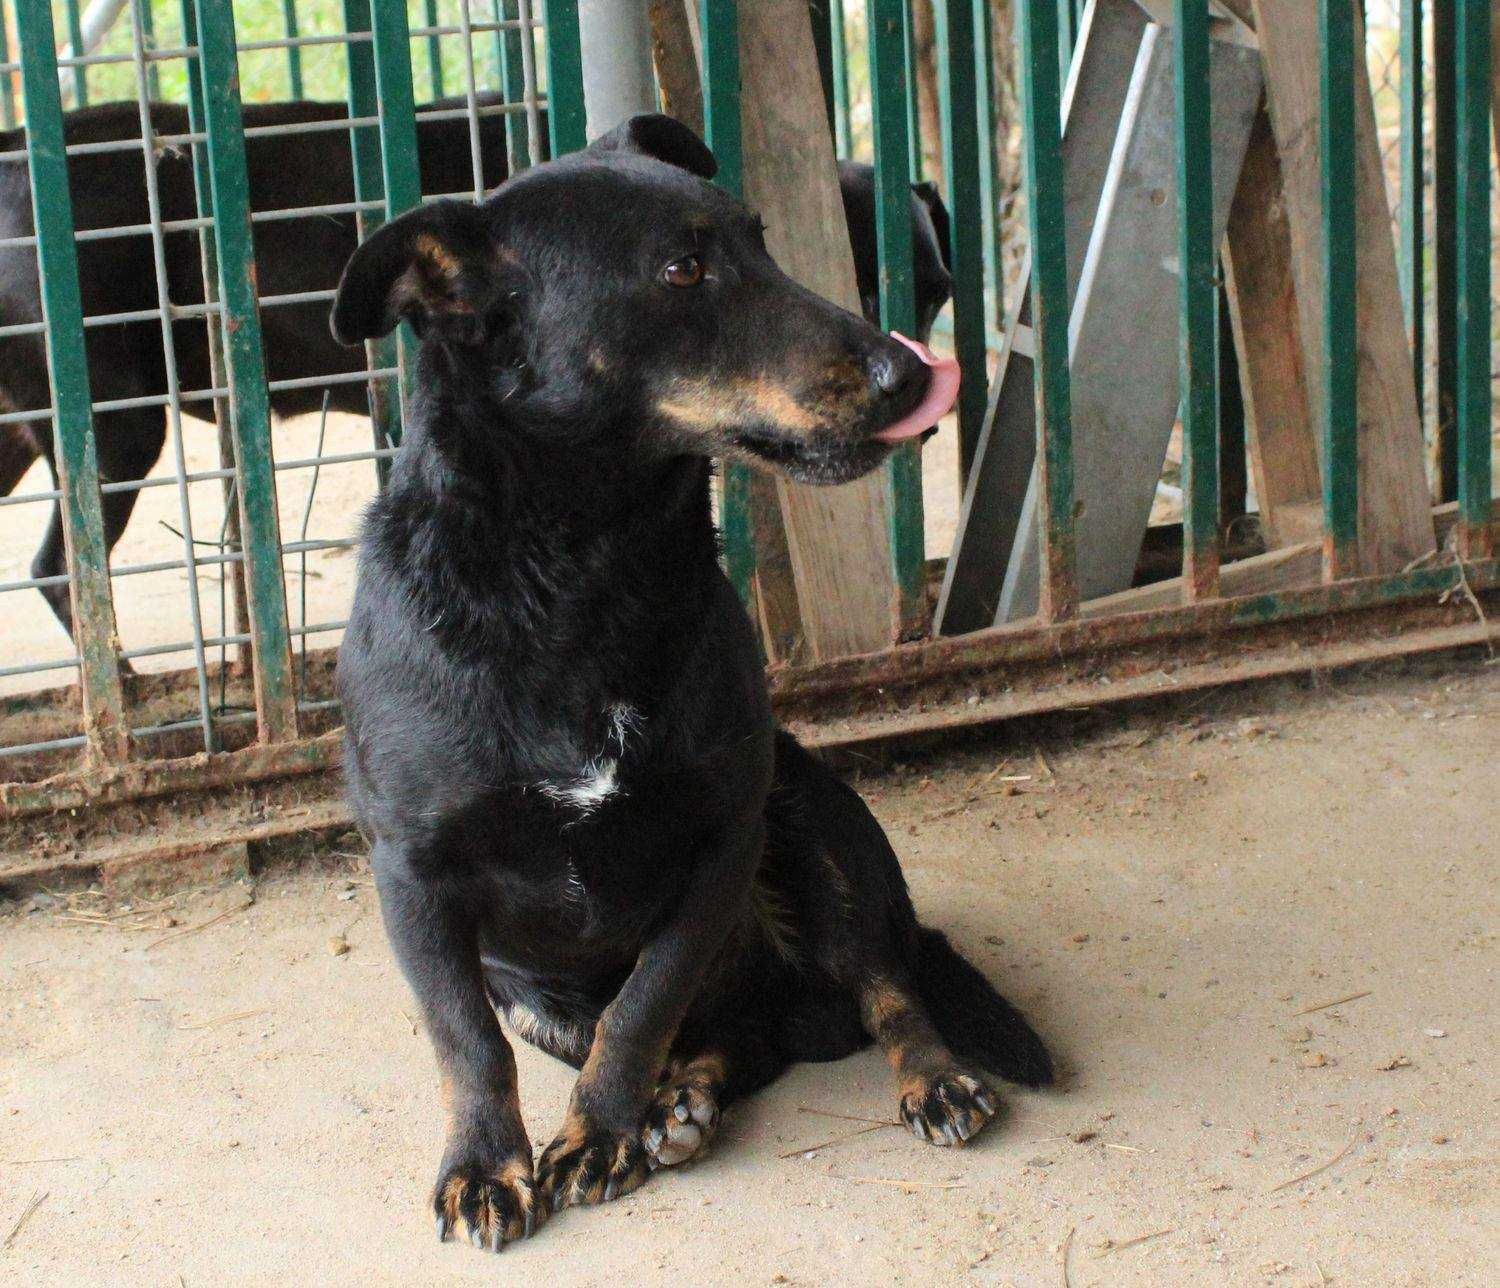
(216,1091)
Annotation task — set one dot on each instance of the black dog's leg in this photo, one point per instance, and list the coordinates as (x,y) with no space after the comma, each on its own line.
(599,1154)
(486,1179)
(696,1088)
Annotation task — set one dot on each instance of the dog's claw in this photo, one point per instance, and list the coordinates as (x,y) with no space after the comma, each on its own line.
(948,1109)
(443,1228)
(496,1205)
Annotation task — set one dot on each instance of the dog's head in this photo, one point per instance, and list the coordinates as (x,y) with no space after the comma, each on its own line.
(617,295)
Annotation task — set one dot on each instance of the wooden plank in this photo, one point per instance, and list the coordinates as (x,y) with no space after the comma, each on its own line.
(1395,526)
(1293,565)
(1268,343)
(837,538)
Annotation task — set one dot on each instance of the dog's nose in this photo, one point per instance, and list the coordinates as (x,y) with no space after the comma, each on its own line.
(894,370)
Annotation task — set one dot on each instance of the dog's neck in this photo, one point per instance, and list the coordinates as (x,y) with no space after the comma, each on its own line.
(498,531)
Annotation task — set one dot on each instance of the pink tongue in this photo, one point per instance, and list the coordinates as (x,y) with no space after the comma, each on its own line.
(942,391)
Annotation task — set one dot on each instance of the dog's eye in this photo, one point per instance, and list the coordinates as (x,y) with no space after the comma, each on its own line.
(687,271)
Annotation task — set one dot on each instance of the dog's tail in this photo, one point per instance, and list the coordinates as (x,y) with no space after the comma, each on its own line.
(974,1020)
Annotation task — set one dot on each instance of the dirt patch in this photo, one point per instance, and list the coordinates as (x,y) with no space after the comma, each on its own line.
(242,1095)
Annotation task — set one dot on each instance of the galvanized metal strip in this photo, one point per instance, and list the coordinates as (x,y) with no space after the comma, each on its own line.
(73,427)
(566,122)
(275,693)
(1339,374)
(1045,219)
(1198,302)
(1474,406)
(989,204)
(964,174)
(897,289)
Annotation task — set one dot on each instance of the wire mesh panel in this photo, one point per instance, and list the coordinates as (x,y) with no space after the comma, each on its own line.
(219,165)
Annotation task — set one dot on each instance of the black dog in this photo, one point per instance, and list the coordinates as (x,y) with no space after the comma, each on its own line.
(559,738)
(292,255)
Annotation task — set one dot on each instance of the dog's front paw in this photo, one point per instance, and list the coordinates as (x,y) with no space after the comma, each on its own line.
(589,1163)
(681,1120)
(947,1108)
(496,1206)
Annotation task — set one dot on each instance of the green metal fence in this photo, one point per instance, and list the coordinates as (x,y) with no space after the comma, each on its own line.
(515,65)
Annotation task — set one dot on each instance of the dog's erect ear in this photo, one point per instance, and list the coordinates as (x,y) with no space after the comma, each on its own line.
(434,265)
(929,196)
(655,135)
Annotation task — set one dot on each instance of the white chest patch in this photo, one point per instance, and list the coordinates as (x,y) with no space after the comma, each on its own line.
(599,779)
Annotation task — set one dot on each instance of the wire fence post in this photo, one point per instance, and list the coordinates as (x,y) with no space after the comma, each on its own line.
(275,691)
(80,76)
(893,235)
(105,725)
(1413,163)
(512,81)
(7,82)
(1041,108)
(1444,244)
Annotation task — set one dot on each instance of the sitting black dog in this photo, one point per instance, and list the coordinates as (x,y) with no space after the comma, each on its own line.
(292,255)
(559,738)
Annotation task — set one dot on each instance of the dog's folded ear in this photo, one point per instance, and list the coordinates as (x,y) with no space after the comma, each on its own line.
(436,265)
(654,135)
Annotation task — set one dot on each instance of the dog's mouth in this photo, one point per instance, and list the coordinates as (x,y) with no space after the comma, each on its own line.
(831,456)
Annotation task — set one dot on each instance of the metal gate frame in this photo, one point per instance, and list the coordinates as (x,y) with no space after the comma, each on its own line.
(1109,657)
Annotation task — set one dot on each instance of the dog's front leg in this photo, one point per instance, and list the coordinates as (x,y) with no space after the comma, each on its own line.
(599,1155)
(486,1180)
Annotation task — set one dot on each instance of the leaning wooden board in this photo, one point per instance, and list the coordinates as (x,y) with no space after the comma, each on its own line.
(838,538)
(1395,523)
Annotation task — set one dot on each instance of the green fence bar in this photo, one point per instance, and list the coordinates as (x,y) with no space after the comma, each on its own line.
(963,146)
(1067,35)
(838,43)
(7,85)
(1042,124)
(294,52)
(1413,164)
(275,694)
(989,202)
(77,466)
(1198,297)
(719,24)
(1340,344)
(369,185)
(80,75)
(1473,427)
(434,49)
(148,30)
(208,258)
(512,82)
(719,28)
(398,120)
(913,113)
(1444,245)
(889,130)
(567,125)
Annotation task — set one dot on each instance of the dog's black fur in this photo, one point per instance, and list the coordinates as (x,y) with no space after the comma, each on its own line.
(292,255)
(559,738)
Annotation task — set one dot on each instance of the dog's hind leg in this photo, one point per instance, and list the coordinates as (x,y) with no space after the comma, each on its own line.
(695,1089)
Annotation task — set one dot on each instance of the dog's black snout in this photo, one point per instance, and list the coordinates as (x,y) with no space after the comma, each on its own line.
(895,370)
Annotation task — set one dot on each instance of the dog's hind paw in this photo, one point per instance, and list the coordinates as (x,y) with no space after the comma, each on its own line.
(587,1163)
(681,1121)
(947,1108)
(496,1207)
